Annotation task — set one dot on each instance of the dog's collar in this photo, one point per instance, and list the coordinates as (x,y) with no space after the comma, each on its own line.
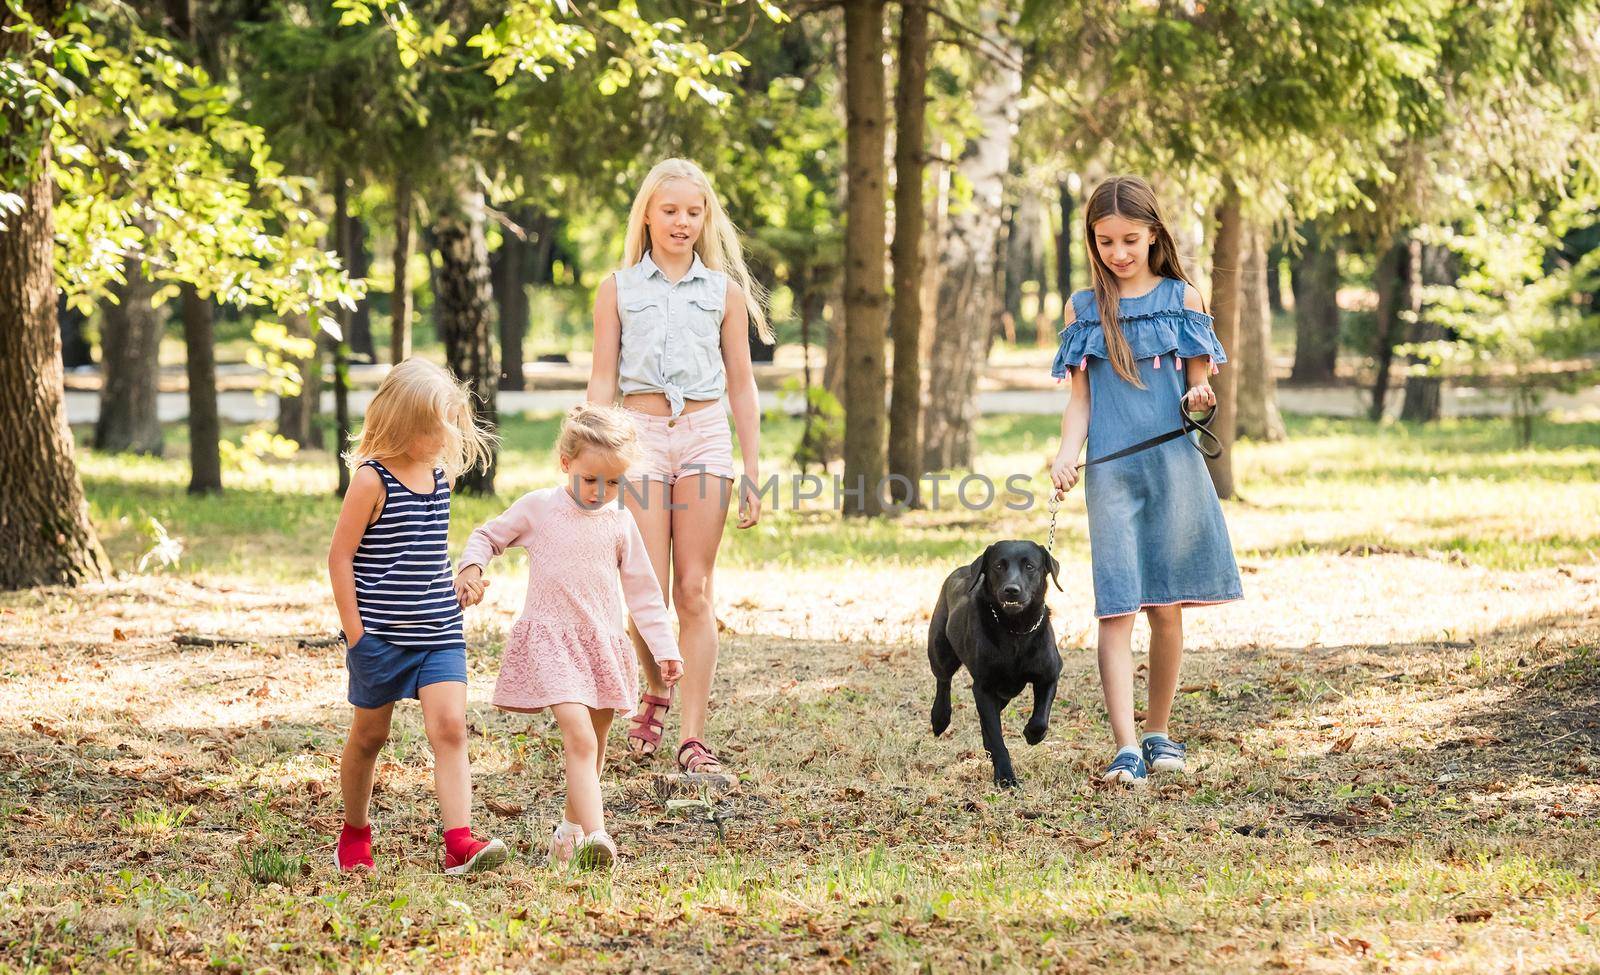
(1044,611)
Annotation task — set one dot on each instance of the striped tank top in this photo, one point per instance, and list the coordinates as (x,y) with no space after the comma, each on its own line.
(404,588)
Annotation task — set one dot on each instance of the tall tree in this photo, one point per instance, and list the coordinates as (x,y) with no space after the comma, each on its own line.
(910,150)
(1423,402)
(400,302)
(464,305)
(1225,281)
(130,358)
(199,341)
(45,532)
(1314,277)
(969,298)
(1257,390)
(297,405)
(1399,299)
(864,285)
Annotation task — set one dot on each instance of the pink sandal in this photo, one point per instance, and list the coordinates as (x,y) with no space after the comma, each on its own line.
(700,761)
(646,726)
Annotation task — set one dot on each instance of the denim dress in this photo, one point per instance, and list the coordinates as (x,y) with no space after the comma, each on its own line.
(1156,532)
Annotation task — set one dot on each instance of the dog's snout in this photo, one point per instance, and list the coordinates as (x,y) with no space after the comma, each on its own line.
(1011,592)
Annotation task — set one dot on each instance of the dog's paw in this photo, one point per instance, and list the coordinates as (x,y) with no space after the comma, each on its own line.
(1007,781)
(940,721)
(1034,733)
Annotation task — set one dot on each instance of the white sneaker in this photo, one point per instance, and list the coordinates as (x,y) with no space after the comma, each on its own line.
(596,852)
(564,842)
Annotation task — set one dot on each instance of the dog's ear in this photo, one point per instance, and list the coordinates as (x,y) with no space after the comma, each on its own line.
(977,571)
(1055,567)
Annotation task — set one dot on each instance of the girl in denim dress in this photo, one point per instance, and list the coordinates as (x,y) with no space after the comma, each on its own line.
(1136,346)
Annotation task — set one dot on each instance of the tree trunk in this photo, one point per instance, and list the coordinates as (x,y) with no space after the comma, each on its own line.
(1275,279)
(1225,281)
(1424,394)
(45,530)
(1258,389)
(511,300)
(400,300)
(1069,229)
(360,265)
(864,285)
(967,289)
(833,341)
(1023,254)
(75,350)
(1397,295)
(1314,275)
(297,414)
(130,369)
(199,342)
(910,147)
(339,348)
(205,425)
(464,307)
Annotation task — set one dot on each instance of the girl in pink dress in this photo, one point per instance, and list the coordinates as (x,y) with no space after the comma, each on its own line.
(569,650)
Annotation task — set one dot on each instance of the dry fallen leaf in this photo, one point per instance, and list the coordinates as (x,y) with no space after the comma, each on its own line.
(503,808)
(1382,801)
(1343,744)
(1475,916)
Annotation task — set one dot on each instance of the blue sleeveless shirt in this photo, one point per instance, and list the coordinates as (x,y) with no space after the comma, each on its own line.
(404,585)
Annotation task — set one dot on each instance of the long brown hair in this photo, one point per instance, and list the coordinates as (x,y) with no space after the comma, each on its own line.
(1131,198)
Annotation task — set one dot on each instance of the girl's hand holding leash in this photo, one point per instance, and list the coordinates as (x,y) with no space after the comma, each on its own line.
(470,585)
(671,670)
(1200,397)
(1063,474)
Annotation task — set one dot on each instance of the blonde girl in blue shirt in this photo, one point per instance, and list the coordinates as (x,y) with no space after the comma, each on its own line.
(672,335)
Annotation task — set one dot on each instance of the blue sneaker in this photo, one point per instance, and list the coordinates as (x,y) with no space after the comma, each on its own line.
(1127,768)
(1163,754)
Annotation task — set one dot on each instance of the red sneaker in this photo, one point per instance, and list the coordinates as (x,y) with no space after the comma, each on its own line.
(478,856)
(353,853)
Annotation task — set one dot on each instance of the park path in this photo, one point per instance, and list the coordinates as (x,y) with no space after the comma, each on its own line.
(1013,390)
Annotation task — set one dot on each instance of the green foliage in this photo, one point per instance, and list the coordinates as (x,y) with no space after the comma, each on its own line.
(1509,313)
(821,440)
(270,865)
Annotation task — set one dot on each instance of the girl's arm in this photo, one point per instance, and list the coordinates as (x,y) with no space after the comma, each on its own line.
(744,399)
(489,540)
(607,344)
(363,502)
(642,592)
(1074,430)
(1197,371)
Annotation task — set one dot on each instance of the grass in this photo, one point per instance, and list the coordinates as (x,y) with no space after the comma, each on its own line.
(1396,736)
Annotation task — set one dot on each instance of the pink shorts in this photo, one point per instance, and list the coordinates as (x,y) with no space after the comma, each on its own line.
(682,446)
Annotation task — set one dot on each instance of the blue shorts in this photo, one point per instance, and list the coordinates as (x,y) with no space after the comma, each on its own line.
(382,673)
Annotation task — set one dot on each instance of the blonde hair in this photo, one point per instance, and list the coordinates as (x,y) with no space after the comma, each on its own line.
(604,428)
(718,246)
(418,397)
(1131,198)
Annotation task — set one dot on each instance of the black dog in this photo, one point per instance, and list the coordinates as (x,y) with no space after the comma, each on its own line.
(991,616)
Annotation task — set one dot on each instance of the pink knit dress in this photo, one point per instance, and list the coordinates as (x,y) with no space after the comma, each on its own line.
(570,643)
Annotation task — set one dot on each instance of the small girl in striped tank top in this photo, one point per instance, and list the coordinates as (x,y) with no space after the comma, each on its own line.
(400,614)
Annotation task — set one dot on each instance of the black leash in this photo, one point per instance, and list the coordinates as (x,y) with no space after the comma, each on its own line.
(1207,443)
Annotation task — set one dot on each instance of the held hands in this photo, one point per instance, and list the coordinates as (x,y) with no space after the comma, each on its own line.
(1063,474)
(671,670)
(470,586)
(1199,397)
